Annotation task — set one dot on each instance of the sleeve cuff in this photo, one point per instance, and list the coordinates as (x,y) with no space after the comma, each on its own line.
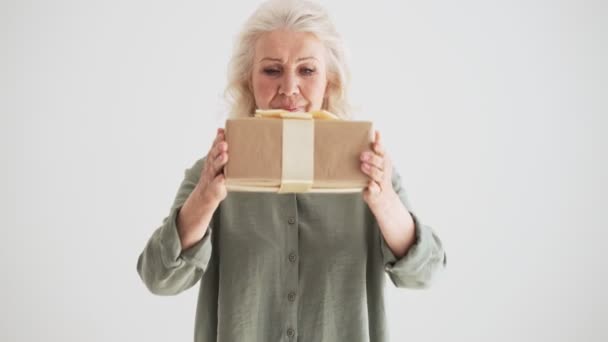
(171,248)
(409,270)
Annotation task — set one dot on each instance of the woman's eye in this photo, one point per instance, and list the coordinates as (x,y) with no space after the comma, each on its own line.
(307,71)
(271,71)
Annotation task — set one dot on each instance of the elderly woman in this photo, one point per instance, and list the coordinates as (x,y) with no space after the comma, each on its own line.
(274,267)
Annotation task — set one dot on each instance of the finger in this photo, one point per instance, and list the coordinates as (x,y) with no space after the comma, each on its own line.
(373,172)
(373,187)
(218,136)
(379,149)
(218,149)
(371,190)
(219,178)
(373,159)
(212,153)
(219,139)
(221,160)
(218,164)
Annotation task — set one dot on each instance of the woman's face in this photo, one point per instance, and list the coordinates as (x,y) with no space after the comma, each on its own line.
(289,71)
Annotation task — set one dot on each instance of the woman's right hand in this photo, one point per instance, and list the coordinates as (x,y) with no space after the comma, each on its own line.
(196,213)
(211,184)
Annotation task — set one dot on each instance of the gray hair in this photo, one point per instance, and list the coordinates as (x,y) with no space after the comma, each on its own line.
(297,16)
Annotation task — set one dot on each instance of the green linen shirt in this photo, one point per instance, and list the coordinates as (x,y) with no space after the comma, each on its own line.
(287,267)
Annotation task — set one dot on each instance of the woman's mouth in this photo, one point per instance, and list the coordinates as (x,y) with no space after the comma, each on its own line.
(292,109)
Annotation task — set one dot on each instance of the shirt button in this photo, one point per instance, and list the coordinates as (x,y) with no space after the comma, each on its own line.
(292,257)
(291,296)
(291,220)
(291,332)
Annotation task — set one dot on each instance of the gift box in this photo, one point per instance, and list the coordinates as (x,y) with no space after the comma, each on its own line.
(278,151)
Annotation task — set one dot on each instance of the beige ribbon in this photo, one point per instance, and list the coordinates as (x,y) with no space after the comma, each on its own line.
(297,171)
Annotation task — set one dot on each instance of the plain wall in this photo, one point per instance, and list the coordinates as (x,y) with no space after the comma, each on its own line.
(494,112)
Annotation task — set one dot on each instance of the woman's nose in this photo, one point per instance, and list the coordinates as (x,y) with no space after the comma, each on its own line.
(289,85)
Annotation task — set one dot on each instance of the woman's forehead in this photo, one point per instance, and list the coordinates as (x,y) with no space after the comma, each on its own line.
(286,46)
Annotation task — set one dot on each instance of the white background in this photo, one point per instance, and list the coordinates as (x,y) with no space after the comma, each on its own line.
(495,113)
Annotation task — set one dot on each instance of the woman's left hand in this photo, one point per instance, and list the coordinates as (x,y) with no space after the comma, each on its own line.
(378,167)
(394,220)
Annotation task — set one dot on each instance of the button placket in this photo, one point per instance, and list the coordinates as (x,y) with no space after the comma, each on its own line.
(292,271)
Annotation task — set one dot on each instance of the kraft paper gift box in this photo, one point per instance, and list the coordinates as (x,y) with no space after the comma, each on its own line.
(284,152)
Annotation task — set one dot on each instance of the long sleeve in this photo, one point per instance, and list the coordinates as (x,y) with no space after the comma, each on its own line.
(423,260)
(164,268)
